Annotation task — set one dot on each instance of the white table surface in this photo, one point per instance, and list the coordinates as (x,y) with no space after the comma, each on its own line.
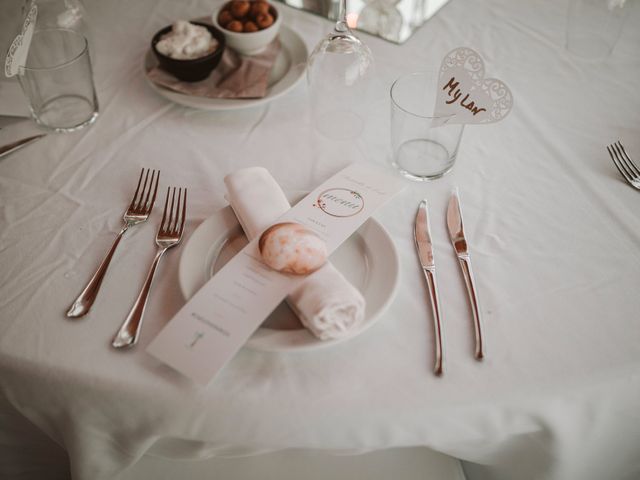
(554,232)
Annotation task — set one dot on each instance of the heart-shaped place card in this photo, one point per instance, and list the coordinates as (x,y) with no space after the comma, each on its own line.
(465,95)
(19,49)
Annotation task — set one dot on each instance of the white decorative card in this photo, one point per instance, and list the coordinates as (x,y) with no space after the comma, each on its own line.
(465,94)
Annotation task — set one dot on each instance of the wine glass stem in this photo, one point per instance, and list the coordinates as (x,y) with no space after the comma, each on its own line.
(341,24)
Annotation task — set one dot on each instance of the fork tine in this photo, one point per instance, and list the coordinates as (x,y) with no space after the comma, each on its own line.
(139,203)
(621,165)
(142,202)
(170,220)
(133,200)
(164,214)
(145,205)
(184,213)
(614,157)
(174,227)
(621,161)
(155,191)
(623,154)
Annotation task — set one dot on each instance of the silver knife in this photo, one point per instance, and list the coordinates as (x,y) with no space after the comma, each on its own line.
(456,233)
(425,253)
(12,147)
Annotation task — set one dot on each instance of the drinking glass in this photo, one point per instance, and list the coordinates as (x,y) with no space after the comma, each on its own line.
(424,146)
(57,80)
(594,26)
(339,75)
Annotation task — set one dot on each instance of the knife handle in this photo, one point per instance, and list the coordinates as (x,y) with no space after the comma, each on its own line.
(12,147)
(429,274)
(465,264)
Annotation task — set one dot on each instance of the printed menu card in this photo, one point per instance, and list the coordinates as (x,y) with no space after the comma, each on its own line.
(217,321)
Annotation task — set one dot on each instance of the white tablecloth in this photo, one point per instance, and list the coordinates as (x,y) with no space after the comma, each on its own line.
(554,232)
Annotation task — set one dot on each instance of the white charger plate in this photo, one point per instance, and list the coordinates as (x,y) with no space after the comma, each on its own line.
(287,71)
(368,259)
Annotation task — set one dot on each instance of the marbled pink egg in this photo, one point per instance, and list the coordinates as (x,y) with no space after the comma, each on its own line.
(292,248)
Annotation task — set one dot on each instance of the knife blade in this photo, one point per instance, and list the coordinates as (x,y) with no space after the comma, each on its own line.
(459,242)
(12,147)
(424,246)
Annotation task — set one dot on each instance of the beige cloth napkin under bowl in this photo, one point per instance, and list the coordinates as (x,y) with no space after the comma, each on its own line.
(236,76)
(326,303)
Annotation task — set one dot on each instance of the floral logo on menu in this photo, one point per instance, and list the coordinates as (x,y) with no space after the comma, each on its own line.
(340,202)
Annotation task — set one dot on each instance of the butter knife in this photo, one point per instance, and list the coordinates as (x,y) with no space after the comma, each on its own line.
(12,147)
(424,246)
(456,233)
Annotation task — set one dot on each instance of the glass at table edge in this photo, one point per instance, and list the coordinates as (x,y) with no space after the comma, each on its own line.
(23,69)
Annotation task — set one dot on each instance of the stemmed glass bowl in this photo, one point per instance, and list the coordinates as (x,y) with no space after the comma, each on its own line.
(339,75)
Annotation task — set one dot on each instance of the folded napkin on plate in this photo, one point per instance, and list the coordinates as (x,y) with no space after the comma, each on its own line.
(326,303)
(236,76)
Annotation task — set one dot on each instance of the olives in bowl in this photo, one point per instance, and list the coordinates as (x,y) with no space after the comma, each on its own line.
(249,26)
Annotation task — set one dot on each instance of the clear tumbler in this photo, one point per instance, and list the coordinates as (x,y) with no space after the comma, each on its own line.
(424,146)
(58,80)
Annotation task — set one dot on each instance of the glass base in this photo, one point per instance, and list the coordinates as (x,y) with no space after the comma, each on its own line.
(66,113)
(423,160)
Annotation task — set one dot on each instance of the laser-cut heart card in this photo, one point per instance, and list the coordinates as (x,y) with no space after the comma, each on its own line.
(465,95)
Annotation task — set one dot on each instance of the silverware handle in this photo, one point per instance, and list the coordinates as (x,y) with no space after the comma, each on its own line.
(437,325)
(129,331)
(465,264)
(82,304)
(12,147)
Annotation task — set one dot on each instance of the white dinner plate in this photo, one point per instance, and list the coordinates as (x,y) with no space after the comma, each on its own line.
(368,259)
(287,71)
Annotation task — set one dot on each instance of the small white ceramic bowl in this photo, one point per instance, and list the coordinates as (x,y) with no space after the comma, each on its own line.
(249,43)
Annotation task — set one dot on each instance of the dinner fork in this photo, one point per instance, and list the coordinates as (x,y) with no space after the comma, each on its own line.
(169,235)
(627,168)
(137,212)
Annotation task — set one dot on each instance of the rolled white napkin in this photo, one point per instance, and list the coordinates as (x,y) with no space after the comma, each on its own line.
(326,303)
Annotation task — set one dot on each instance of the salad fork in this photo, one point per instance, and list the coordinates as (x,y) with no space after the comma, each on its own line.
(137,212)
(169,235)
(627,168)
